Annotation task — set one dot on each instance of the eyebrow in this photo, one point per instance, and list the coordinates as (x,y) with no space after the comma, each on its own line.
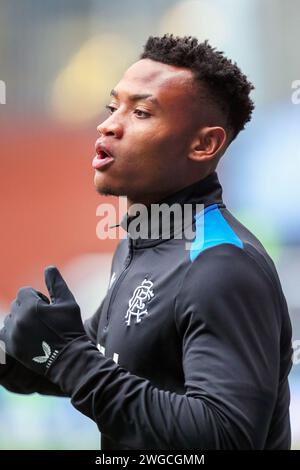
(137,97)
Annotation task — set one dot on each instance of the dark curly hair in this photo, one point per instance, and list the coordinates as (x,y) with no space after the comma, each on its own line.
(224,82)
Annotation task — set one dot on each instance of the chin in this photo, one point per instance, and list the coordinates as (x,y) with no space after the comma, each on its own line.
(104,188)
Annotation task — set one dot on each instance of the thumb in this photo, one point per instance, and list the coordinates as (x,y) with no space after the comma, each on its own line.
(57,286)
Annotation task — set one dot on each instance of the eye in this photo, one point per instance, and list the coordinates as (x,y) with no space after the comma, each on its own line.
(110,108)
(141,114)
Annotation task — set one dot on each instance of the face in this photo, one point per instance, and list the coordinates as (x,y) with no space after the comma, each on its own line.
(143,144)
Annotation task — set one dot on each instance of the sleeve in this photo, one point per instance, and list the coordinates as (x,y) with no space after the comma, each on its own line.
(228,327)
(15,377)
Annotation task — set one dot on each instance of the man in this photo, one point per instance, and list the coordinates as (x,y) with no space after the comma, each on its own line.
(194,339)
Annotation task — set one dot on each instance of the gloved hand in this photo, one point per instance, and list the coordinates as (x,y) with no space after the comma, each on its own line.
(36,331)
(17,378)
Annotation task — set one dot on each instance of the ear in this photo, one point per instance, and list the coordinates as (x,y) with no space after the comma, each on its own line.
(208,144)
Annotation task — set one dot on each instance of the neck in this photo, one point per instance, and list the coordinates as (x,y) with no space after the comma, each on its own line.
(147,200)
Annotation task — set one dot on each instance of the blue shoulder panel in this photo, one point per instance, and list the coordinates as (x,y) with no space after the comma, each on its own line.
(212,230)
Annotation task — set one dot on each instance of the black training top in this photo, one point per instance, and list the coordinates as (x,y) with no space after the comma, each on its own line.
(193,340)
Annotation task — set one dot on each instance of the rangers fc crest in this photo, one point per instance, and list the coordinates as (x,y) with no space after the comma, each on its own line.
(137,304)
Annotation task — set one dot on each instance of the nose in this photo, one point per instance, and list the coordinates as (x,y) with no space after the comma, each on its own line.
(110,127)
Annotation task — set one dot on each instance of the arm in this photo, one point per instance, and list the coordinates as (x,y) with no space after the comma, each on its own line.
(228,324)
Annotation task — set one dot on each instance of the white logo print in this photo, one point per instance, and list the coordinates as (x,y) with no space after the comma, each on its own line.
(47,357)
(137,303)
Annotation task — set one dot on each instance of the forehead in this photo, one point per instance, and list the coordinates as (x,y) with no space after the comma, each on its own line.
(162,80)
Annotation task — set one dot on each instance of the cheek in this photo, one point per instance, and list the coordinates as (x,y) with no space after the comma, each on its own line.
(167,147)
(156,140)
(149,150)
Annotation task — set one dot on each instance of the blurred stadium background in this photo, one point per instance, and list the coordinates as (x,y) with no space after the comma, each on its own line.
(59,61)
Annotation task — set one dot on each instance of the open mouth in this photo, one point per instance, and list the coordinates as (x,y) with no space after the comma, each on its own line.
(102,159)
(103,154)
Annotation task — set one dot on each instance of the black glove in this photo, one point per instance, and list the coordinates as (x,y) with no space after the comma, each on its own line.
(36,331)
(17,378)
